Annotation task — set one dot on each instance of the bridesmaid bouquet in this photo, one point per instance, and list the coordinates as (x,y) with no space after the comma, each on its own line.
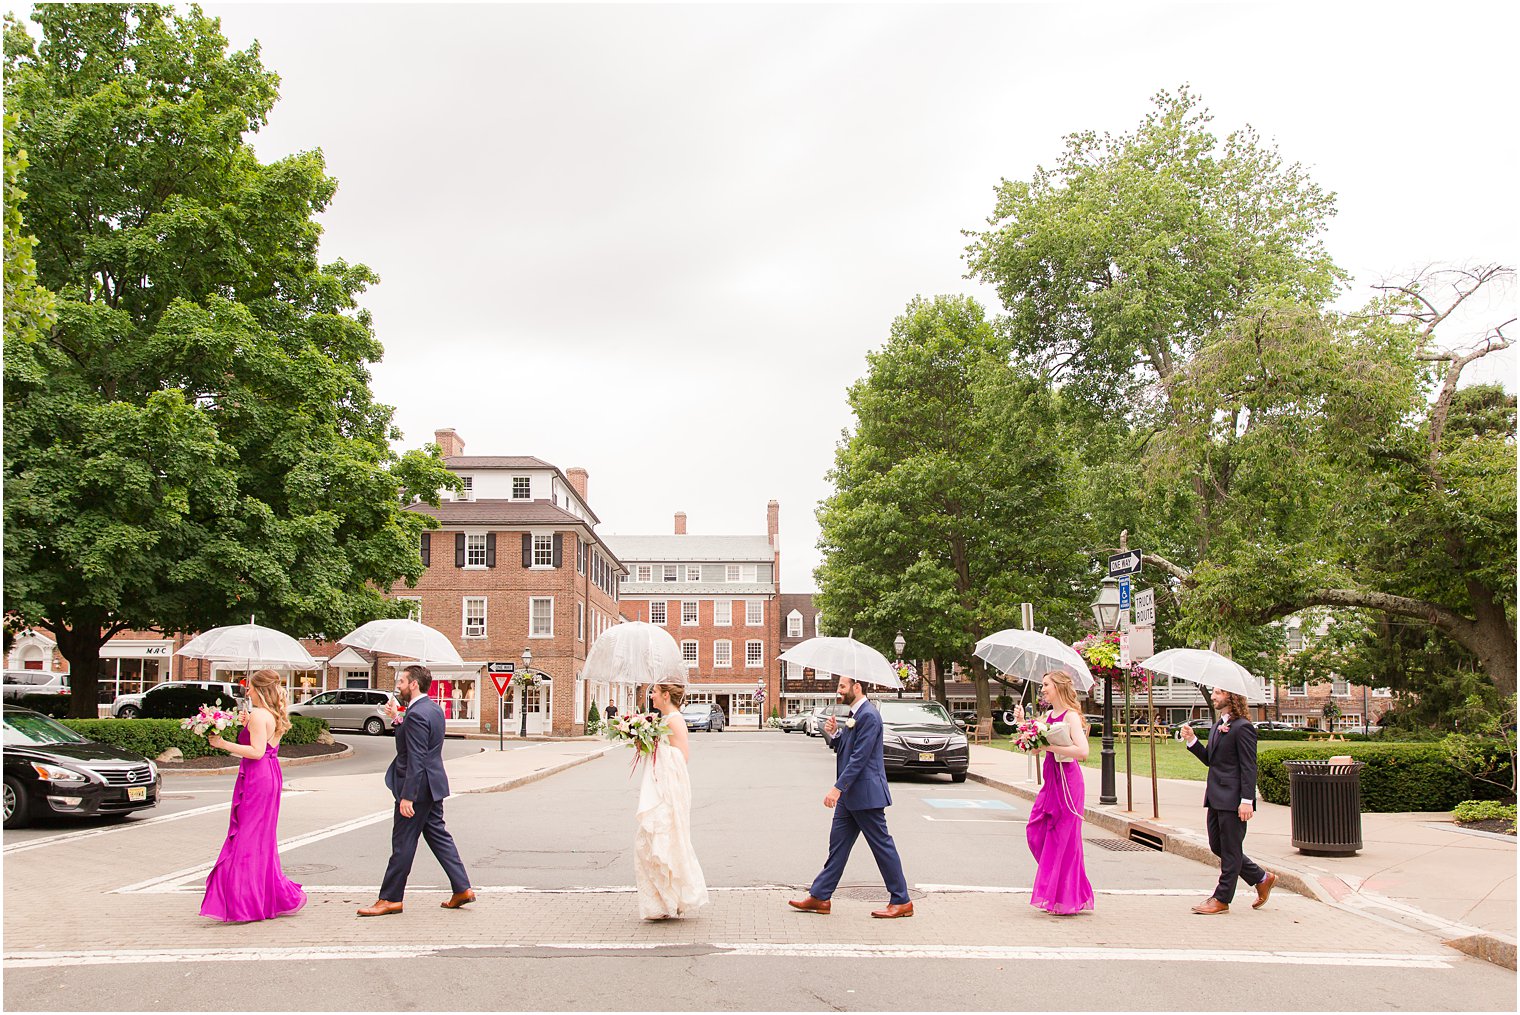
(1038,731)
(642,732)
(211,720)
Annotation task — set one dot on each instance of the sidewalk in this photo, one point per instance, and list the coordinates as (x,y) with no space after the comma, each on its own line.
(1416,869)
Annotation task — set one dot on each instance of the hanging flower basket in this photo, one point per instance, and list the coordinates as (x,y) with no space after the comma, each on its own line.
(526,679)
(1101,653)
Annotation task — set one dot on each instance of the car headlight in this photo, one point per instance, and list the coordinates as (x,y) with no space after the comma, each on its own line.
(894,740)
(958,742)
(52,773)
(152,770)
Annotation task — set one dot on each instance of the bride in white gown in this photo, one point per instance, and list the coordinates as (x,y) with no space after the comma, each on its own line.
(669,879)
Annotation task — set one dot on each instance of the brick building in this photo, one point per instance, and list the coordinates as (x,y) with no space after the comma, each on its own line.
(802,689)
(717,595)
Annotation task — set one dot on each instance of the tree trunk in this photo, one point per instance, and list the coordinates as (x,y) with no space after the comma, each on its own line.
(983,691)
(80,645)
(941,692)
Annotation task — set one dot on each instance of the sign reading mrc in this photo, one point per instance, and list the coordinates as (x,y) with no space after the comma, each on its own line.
(1121,564)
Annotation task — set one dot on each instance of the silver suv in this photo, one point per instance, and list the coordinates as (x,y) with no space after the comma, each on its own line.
(20,682)
(130,706)
(351,709)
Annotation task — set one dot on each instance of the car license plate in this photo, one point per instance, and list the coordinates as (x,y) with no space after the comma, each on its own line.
(137,792)
(925,755)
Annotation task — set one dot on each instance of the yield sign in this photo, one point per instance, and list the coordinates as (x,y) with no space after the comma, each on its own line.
(502,682)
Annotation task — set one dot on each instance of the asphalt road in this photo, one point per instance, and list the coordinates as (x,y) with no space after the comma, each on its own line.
(556,926)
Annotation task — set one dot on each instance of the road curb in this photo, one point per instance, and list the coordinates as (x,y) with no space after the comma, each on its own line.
(542,773)
(284,764)
(1490,947)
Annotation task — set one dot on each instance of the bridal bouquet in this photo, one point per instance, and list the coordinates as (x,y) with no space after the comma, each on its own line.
(642,732)
(211,720)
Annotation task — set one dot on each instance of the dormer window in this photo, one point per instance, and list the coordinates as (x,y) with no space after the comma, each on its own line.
(522,488)
(794,625)
(468,493)
(669,572)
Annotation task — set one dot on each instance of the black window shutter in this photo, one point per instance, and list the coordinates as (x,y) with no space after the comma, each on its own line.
(527,549)
(427,549)
(459,549)
(490,549)
(559,549)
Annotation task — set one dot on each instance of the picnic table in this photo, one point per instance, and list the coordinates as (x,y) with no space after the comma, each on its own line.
(1326,736)
(1143,731)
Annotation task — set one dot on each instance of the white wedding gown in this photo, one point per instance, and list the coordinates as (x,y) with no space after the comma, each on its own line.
(665,868)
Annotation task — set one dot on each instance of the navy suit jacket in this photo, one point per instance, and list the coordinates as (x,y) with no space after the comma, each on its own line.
(860,771)
(417,773)
(1231,758)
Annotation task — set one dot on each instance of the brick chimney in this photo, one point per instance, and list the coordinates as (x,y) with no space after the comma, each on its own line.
(680,523)
(449,442)
(579,479)
(773,524)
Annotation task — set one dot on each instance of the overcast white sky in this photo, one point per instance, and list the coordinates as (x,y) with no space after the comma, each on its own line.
(657,242)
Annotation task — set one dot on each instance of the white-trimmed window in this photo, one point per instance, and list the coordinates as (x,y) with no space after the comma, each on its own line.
(818,625)
(754,612)
(1340,688)
(413,607)
(468,492)
(754,654)
(657,612)
(475,550)
(669,573)
(723,613)
(794,671)
(1298,690)
(794,625)
(689,653)
(693,572)
(522,487)
(723,653)
(747,573)
(646,573)
(580,621)
(475,616)
(731,573)
(543,551)
(541,617)
(688,613)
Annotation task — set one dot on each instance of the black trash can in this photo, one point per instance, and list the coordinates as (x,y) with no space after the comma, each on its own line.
(1325,801)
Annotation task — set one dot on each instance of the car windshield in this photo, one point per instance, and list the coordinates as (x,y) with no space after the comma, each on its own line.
(695,709)
(903,713)
(34,728)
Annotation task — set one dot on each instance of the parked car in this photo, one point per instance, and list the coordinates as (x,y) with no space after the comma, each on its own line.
(1199,726)
(794,723)
(704,718)
(820,716)
(964,718)
(21,682)
(1094,724)
(921,736)
(1273,724)
(351,709)
(50,769)
(130,706)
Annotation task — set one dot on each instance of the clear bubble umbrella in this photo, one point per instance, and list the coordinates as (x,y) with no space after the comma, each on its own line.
(1200,666)
(844,657)
(406,638)
(1029,655)
(635,652)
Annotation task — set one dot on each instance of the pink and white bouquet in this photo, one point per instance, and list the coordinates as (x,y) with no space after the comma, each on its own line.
(211,720)
(1032,734)
(641,731)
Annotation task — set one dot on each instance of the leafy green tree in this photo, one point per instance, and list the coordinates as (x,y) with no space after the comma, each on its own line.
(195,439)
(28,307)
(953,495)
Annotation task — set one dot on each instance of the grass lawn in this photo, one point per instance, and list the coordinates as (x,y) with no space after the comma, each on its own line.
(1172,759)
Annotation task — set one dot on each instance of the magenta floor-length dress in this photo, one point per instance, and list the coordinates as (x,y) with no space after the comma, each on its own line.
(1055,839)
(247,882)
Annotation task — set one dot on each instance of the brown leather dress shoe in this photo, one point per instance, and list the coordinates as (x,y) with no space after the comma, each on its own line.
(1211,907)
(894,911)
(1263,889)
(458,899)
(812,905)
(381,908)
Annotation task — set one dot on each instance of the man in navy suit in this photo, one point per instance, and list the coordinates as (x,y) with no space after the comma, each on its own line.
(859,799)
(1230,796)
(420,785)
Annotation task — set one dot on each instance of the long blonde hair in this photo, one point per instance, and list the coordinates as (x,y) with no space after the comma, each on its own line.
(272,696)
(1064,690)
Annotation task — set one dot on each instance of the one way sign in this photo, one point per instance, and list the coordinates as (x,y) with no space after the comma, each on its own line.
(1121,564)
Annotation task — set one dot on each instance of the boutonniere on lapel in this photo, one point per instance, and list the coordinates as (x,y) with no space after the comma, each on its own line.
(1224,727)
(849,724)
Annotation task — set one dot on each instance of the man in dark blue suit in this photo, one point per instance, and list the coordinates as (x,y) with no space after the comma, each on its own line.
(420,785)
(859,799)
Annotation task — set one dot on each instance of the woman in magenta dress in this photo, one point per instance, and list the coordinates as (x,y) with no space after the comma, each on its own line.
(1055,822)
(247,882)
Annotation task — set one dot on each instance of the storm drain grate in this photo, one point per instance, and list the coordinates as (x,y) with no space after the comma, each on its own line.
(308,869)
(871,893)
(1119,844)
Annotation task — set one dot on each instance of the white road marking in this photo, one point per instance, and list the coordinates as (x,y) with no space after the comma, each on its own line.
(962,821)
(90,833)
(40,960)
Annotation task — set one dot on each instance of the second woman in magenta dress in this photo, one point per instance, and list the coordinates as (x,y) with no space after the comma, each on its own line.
(1055,821)
(247,882)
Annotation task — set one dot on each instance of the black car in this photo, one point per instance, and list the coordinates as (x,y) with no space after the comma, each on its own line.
(704,718)
(965,718)
(50,769)
(920,736)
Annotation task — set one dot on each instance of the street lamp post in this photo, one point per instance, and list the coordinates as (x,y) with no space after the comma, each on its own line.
(1106,612)
(899,644)
(522,693)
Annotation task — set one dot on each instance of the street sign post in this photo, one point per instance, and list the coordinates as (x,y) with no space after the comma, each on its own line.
(1145,608)
(501,676)
(1121,564)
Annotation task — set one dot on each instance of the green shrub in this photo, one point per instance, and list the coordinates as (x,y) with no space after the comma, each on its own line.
(181,702)
(55,705)
(593,720)
(1394,777)
(151,737)
(1484,810)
